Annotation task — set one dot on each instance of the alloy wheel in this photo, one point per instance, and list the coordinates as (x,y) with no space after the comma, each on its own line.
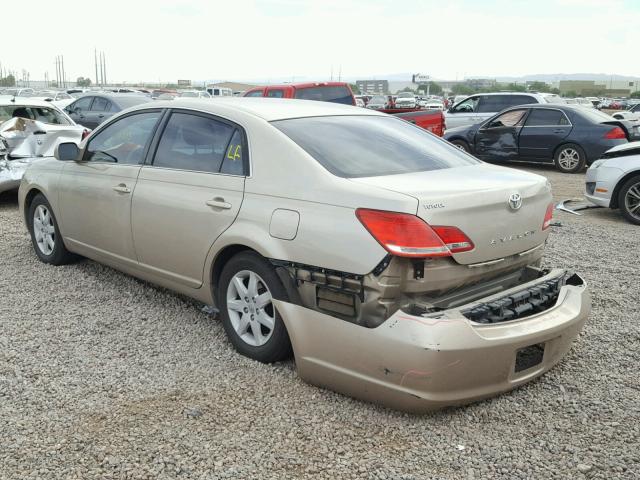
(44,230)
(632,200)
(569,158)
(250,308)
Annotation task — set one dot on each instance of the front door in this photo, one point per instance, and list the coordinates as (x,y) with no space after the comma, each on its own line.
(79,109)
(544,130)
(497,139)
(464,113)
(96,192)
(189,195)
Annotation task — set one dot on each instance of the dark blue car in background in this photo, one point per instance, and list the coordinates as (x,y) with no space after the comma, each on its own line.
(568,135)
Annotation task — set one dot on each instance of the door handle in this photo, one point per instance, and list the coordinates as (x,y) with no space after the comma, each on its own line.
(558,131)
(122,188)
(101,116)
(218,202)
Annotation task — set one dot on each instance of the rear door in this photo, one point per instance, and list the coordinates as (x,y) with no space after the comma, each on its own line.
(98,112)
(498,138)
(544,130)
(188,195)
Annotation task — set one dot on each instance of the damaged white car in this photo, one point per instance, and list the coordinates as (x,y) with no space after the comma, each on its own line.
(30,129)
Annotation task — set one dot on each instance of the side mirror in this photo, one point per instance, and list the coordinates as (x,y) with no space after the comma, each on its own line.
(67,151)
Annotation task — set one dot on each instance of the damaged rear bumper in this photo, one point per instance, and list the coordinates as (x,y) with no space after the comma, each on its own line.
(424,362)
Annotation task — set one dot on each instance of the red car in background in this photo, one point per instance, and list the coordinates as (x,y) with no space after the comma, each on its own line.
(340,92)
(336,92)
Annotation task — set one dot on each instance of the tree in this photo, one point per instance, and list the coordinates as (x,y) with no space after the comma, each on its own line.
(540,87)
(462,89)
(434,88)
(83,82)
(570,94)
(8,81)
(407,89)
(516,87)
(355,89)
(635,95)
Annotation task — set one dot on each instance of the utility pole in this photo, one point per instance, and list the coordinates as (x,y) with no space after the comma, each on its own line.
(104,67)
(101,71)
(95,61)
(64,74)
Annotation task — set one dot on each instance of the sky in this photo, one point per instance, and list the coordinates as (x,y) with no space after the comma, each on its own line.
(259,40)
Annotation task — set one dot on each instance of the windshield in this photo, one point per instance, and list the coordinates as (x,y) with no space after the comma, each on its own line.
(370,146)
(326,94)
(378,99)
(406,95)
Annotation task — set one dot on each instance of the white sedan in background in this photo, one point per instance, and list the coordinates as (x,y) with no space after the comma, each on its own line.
(614,181)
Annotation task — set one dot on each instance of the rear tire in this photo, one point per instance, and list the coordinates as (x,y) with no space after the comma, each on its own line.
(570,158)
(247,286)
(45,233)
(461,144)
(629,200)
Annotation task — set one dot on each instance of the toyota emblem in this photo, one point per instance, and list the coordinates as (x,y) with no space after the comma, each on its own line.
(515,201)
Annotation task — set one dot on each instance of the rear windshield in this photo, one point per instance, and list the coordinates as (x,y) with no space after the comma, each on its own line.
(325,94)
(595,116)
(371,146)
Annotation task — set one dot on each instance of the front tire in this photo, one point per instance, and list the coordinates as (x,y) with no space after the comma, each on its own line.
(246,290)
(461,144)
(570,158)
(45,233)
(629,200)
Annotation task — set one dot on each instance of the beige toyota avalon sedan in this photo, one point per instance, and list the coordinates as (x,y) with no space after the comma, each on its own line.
(393,266)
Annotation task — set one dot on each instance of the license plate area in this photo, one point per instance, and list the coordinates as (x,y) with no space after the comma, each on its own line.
(529,357)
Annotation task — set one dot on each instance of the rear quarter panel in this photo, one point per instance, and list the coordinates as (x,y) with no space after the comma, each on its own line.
(328,235)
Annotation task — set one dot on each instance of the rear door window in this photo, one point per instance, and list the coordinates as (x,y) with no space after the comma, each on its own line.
(198,143)
(492,103)
(335,94)
(100,104)
(541,117)
(275,93)
(257,93)
(368,146)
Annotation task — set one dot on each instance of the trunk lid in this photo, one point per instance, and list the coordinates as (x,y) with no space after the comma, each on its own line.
(476,200)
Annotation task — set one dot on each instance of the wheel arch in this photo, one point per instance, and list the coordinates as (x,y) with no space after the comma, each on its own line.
(620,182)
(28,199)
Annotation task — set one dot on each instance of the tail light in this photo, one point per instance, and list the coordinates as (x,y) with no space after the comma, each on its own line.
(548,216)
(616,133)
(85,133)
(407,235)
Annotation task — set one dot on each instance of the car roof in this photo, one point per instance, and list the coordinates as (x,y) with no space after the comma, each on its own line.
(7,101)
(303,85)
(269,109)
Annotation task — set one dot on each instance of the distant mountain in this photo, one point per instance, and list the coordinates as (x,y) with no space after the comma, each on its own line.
(549,78)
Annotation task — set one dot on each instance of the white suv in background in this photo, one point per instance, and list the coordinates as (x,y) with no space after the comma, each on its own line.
(482,106)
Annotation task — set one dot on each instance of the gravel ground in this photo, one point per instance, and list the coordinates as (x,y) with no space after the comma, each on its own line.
(103,376)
